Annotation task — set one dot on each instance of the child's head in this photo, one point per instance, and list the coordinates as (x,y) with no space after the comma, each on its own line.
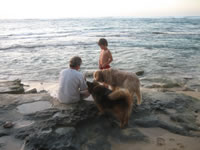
(103,43)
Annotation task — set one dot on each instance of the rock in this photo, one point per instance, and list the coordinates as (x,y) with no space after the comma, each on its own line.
(11,87)
(3,134)
(140,73)
(164,85)
(132,134)
(31,91)
(8,124)
(185,88)
(65,130)
(43,91)
(77,126)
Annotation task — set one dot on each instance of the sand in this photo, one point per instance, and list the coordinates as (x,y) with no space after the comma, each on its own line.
(160,139)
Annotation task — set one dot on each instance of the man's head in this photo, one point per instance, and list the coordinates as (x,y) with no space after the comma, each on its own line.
(103,43)
(75,62)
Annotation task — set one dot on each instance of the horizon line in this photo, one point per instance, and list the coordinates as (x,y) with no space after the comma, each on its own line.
(37,18)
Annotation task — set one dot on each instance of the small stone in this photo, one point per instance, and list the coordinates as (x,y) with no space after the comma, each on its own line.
(31,91)
(160,141)
(140,73)
(188,77)
(8,124)
(43,91)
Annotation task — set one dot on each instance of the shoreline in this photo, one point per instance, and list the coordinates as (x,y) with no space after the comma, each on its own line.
(52,87)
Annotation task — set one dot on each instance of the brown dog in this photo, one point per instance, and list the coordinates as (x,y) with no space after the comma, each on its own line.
(118,102)
(120,79)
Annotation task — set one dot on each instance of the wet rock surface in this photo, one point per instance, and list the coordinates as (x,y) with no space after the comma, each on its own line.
(79,127)
(11,87)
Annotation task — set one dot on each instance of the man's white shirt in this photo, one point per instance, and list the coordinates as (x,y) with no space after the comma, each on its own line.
(71,83)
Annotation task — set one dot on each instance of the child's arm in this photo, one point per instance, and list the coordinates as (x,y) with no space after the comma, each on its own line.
(110,59)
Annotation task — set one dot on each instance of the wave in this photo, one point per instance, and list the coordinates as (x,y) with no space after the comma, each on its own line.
(177,33)
(43,45)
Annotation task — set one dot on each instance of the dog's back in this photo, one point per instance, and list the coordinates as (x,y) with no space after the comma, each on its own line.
(123,79)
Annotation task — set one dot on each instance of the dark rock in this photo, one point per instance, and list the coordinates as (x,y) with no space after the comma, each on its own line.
(11,87)
(3,134)
(31,91)
(140,73)
(43,91)
(79,127)
(8,124)
(165,85)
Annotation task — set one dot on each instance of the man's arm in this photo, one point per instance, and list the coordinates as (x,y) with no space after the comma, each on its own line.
(84,94)
(84,89)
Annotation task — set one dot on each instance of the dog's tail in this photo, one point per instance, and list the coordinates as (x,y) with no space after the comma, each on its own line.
(122,93)
(126,95)
(139,96)
(118,94)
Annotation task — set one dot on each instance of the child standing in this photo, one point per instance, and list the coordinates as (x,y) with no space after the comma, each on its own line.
(105,55)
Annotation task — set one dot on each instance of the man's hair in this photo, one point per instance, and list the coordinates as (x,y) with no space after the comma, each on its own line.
(75,61)
(103,41)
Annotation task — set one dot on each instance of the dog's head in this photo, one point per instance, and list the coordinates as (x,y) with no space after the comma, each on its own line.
(98,76)
(91,86)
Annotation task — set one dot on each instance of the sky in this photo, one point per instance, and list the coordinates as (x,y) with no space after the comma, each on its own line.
(30,9)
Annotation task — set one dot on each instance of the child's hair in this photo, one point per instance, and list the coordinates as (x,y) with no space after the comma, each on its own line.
(103,41)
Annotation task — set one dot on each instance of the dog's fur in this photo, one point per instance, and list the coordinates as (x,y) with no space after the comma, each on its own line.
(118,102)
(120,79)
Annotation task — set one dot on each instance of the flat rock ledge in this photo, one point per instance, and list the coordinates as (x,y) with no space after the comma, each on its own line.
(79,127)
(11,87)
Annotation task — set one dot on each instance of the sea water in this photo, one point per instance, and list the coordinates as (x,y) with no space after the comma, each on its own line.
(39,49)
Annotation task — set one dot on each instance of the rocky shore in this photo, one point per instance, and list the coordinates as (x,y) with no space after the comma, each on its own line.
(166,120)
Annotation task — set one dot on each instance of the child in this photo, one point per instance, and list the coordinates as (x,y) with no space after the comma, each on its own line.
(105,55)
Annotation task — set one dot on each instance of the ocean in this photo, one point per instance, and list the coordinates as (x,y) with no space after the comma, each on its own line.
(37,50)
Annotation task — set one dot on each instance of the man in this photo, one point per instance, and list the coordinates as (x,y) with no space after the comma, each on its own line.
(72,85)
